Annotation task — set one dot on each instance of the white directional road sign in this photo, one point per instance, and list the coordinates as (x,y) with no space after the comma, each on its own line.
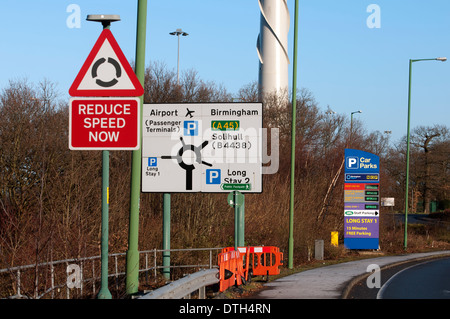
(206,147)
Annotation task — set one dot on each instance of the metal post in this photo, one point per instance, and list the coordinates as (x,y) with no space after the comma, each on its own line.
(237,201)
(167,196)
(166,235)
(442,59)
(52,278)
(236,221)
(241,220)
(154,263)
(294,110)
(178,32)
(132,271)
(407,157)
(178,61)
(351,127)
(93,279)
(18,283)
(104,292)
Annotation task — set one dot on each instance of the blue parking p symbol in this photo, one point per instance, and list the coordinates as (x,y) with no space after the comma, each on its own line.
(352,162)
(190,128)
(152,161)
(213,176)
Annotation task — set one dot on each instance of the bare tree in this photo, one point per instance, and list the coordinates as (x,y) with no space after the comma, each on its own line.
(425,139)
(248,93)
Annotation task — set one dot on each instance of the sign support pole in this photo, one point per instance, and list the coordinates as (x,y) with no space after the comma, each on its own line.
(132,269)
(104,292)
(294,127)
(166,235)
(241,236)
(236,222)
(237,201)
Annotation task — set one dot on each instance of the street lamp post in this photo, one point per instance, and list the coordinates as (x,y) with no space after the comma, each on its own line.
(132,254)
(411,61)
(166,196)
(178,32)
(104,292)
(293,133)
(351,124)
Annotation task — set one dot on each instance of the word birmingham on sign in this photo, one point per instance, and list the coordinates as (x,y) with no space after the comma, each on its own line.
(104,124)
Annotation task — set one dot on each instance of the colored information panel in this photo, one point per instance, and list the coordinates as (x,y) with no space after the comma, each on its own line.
(202,147)
(361,200)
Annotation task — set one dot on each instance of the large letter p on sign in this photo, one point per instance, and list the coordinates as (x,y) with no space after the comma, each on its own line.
(213,176)
(352,162)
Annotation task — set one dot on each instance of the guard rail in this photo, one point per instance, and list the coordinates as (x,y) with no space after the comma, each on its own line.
(49,279)
(184,287)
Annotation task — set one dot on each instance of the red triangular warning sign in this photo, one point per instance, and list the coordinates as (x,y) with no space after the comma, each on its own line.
(106,71)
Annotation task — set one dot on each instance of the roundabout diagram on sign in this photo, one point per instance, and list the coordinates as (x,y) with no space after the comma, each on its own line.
(188,167)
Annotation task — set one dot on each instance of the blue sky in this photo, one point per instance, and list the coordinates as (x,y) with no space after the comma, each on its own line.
(343,62)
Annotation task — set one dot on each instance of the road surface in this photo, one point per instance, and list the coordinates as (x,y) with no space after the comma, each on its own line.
(336,281)
(426,280)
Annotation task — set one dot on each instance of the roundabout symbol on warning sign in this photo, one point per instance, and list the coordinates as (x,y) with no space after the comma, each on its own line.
(116,66)
(106,71)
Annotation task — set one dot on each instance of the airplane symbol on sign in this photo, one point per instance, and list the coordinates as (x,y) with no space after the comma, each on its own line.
(189,113)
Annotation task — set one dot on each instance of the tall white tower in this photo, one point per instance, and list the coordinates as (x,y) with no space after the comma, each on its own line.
(272,46)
